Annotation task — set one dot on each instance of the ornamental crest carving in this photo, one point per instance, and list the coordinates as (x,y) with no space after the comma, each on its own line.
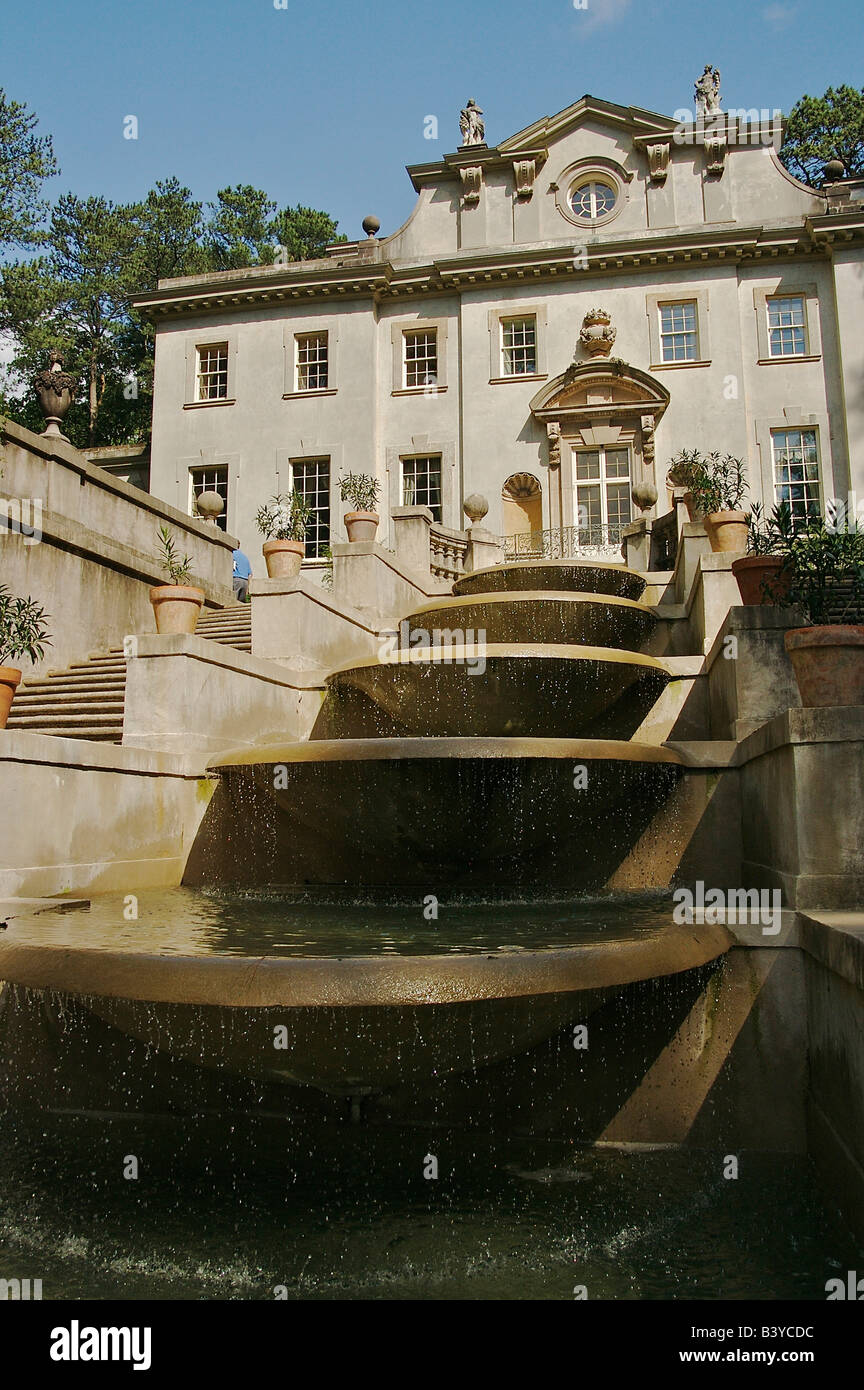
(598,335)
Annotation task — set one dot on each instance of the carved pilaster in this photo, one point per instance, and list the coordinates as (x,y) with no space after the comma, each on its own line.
(472,180)
(658,161)
(647,422)
(553,434)
(524,173)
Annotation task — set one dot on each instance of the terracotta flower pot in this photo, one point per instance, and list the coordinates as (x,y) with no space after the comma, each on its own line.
(727,531)
(176,608)
(10,679)
(283,558)
(759,578)
(828,663)
(361,526)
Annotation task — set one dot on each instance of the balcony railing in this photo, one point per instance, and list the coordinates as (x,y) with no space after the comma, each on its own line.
(565,543)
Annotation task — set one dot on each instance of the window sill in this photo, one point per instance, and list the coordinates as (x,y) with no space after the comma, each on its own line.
(419,391)
(202,405)
(796,357)
(303,395)
(676,366)
(522,376)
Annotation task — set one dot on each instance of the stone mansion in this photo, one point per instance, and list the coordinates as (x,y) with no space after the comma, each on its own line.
(560,314)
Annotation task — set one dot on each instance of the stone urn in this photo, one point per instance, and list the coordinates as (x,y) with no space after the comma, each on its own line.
(361,526)
(760,579)
(176,608)
(828,662)
(597,335)
(727,531)
(283,558)
(10,679)
(55,389)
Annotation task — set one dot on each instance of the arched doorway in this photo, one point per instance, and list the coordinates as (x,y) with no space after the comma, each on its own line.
(521,509)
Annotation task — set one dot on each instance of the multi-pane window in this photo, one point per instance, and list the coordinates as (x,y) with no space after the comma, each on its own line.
(421,483)
(214,479)
(787,330)
(602,485)
(519,346)
(312,362)
(311,478)
(421,357)
(679,339)
(213,372)
(796,473)
(592,200)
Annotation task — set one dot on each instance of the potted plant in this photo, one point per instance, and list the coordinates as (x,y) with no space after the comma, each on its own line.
(825,572)
(716,486)
(282,522)
(760,573)
(22,633)
(176,606)
(361,491)
(687,470)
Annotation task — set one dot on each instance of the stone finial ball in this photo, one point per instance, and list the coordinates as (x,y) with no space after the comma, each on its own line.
(475,507)
(644,495)
(210,505)
(371,226)
(834,169)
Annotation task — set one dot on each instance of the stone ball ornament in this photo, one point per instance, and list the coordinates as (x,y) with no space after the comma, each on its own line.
(644,495)
(475,507)
(371,225)
(209,506)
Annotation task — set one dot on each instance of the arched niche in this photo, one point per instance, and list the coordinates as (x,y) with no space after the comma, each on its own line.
(521,505)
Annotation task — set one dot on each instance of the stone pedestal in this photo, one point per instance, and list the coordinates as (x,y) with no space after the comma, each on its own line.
(411,527)
(484,549)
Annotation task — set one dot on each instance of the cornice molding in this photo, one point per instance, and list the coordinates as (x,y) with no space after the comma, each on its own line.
(810,239)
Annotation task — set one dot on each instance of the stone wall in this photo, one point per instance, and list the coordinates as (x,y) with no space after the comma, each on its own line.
(91,558)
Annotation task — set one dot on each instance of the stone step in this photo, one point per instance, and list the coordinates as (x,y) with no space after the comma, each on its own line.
(71,683)
(92,719)
(69,705)
(93,735)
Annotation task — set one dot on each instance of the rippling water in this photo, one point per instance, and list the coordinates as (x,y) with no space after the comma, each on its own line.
(185,921)
(354,1218)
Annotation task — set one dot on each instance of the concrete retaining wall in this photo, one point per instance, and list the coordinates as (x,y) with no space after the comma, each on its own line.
(92,561)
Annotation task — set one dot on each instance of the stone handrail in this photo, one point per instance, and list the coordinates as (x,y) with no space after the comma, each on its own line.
(447,551)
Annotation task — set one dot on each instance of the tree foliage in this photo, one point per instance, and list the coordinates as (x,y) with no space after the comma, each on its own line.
(26,160)
(823,128)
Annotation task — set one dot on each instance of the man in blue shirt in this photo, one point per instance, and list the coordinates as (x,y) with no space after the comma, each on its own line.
(242,575)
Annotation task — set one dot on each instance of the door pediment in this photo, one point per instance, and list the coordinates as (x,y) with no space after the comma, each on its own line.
(609,388)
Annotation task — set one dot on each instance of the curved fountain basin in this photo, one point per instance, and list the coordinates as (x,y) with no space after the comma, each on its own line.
(525,689)
(437,813)
(541,616)
(351,1025)
(581,576)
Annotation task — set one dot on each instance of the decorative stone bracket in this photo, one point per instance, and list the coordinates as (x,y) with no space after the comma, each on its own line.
(472,181)
(715,154)
(524,174)
(658,161)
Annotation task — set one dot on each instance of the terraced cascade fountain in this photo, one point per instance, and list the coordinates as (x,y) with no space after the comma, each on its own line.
(484,765)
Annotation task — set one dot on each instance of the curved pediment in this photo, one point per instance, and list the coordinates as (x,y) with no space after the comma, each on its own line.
(596,387)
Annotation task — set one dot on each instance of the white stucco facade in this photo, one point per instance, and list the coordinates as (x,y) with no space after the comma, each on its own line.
(717,225)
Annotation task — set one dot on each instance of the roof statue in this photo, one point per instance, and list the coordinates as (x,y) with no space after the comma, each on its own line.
(707,91)
(471,124)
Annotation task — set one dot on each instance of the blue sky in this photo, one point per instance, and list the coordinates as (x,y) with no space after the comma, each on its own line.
(323,102)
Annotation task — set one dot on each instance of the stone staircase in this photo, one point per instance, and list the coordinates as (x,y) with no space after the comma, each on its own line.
(86,699)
